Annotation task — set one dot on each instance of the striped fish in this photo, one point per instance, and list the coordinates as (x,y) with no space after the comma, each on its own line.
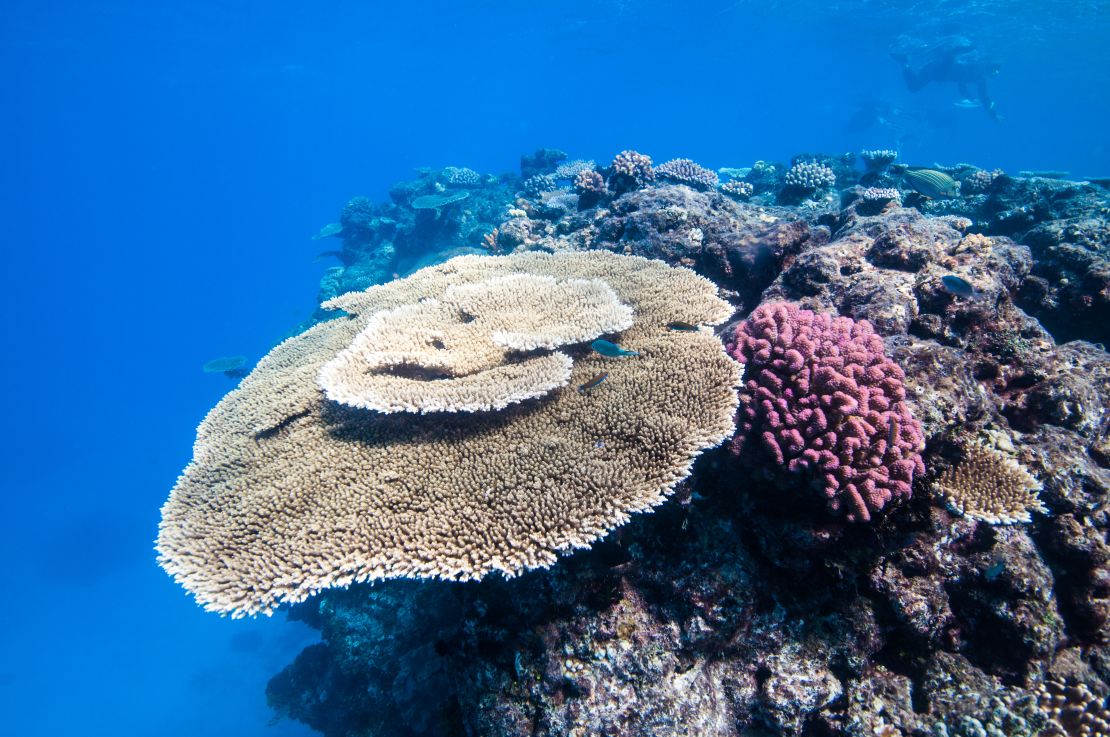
(932,183)
(594,382)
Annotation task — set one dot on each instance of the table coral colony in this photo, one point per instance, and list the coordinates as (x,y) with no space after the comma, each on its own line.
(823,398)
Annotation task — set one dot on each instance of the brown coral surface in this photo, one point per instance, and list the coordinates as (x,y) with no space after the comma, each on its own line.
(290,492)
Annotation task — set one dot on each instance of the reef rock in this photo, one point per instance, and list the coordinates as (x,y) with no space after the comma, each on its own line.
(737,610)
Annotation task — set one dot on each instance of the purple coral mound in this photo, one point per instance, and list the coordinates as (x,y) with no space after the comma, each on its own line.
(824,399)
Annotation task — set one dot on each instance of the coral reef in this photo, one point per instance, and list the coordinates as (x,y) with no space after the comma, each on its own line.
(870,200)
(738,190)
(685,171)
(742,606)
(542,161)
(809,176)
(878,159)
(630,170)
(456,176)
(980,181)
(536,185)
(590,186)
(571,169)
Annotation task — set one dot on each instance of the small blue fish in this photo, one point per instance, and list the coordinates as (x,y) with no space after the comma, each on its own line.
(612,350)
(594,382)
(960,287)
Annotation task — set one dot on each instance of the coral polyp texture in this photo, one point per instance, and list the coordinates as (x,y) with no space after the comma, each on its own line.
(809,176)
(460,176)
(475,347)
(1073,710)
(571,169)
(589,182)
(738,189)
(823,399)
(630,170)
(878,159)
(989,486)
(535,186)
(290,492)
(685,171)
(980,180)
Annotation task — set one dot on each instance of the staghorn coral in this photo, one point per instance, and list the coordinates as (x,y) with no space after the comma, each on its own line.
(809,176)
(685,171)
(824,399)
(289,493)
(630,170)
(463,352)
(989,486)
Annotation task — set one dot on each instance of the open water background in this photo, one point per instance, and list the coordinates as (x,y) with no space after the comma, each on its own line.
(163,166)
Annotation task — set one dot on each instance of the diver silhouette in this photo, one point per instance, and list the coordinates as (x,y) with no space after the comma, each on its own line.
(951,59)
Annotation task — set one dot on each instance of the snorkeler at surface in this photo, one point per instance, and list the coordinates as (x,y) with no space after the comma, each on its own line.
(951,59)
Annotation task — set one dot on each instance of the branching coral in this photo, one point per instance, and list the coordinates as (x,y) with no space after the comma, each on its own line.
(571,169)
(685,171)
(823,398)
(290,492)
(878,159)
(535,186)
(809,176)
(738,189)
(460,176)
(630,170)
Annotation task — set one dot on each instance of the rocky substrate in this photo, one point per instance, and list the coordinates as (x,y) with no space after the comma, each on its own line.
(742,606)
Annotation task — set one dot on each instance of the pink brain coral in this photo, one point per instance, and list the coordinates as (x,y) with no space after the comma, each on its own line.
(824,399)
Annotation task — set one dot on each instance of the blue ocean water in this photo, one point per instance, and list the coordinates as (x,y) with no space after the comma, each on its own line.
(164,167)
